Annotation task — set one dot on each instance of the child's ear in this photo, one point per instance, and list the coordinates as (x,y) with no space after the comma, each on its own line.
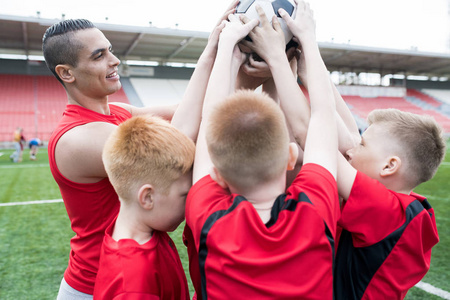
(391,166)
(215,175)
(65,73)
(145,196)
(293,155)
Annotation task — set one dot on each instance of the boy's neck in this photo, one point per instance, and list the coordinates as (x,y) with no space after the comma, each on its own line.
(263,197)
(396,184)
(129,226)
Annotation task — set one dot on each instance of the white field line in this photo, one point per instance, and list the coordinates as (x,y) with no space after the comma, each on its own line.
(18,166)
(31,202)
(421,285)
(433,290)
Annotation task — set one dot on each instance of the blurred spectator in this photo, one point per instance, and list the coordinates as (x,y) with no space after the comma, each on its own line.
(34,144)
(18,139)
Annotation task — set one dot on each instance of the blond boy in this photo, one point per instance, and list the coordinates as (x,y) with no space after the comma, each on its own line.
(148,162)
(388,230)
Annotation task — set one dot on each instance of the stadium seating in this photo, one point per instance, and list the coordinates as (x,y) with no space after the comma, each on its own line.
(440,94)
(35,103)
(17,105)
(423,97)
(362,106)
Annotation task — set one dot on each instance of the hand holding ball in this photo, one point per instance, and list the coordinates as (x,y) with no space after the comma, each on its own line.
(270,7)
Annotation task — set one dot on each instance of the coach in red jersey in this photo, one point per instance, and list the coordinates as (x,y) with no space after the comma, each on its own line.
(81,58)
(256,240)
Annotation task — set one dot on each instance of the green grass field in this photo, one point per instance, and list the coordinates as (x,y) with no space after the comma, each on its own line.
(34,239)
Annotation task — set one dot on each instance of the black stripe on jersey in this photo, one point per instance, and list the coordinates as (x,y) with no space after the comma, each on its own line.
(427,206)
(330,238)
(203,249)
(355,267)
(280,205)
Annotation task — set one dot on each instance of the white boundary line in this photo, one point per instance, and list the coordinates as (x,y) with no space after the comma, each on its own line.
(421,285)
(444,163)
(433,290)
(18,166)
(31,202)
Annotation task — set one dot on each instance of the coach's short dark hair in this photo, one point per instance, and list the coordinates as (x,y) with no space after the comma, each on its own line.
(58,44)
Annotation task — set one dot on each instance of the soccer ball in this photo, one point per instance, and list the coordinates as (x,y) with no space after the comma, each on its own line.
(271,8)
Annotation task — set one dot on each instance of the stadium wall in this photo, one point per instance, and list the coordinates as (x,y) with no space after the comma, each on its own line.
(31,67)
(158,72)
(23,67)
(422,84)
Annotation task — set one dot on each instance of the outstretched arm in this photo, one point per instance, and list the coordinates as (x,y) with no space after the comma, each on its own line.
(348,134)
(321,140)
(332,102)
(164,111)
(269,43)
(188,115)
(221,84)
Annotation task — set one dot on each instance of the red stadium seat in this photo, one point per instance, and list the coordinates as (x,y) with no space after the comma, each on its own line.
(363,106)
(423,97)
(35,103)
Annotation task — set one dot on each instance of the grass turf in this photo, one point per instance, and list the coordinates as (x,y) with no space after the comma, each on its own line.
(34,239)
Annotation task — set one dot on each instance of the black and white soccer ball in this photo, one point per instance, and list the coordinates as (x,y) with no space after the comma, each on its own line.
(270,8)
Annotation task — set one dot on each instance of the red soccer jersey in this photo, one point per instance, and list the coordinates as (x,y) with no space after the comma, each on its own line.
(290,257)
(131,271)
(385,245)
(91,207)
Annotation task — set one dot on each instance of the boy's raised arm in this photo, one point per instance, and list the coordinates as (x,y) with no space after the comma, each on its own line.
(188,114)
(348,134)
(221,84)
(269,43)
(321,140)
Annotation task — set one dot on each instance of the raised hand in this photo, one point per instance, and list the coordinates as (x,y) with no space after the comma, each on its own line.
(303,26)
(267,40)
(235,30)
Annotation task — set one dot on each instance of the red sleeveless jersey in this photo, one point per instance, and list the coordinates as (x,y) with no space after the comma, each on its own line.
(91,206)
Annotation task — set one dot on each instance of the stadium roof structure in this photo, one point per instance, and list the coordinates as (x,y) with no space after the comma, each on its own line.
(23,36)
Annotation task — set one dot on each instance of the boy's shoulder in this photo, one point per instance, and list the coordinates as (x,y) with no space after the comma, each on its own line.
(316,181)
(316,185)
(206,197)
(366,187)
(314,172)
(370,194)
(372,205)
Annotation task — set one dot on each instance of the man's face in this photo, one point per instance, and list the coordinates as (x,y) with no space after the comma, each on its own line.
(96,72)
